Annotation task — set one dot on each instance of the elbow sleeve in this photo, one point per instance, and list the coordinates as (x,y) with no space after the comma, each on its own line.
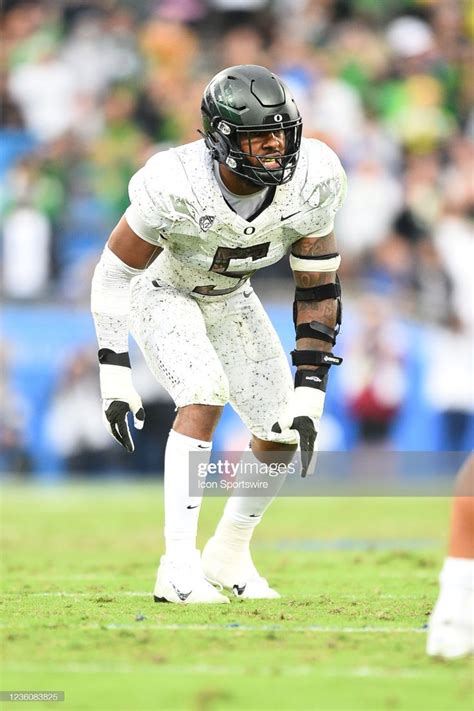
(110,300)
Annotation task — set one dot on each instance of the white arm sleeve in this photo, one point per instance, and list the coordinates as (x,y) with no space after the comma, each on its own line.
(110,301)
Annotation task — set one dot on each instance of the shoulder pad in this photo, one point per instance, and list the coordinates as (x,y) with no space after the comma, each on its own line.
(326,182)
(160,191)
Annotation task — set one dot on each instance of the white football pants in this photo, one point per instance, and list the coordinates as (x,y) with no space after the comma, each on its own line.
(212,351)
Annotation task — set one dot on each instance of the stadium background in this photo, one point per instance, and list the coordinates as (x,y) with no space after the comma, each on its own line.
(91,89)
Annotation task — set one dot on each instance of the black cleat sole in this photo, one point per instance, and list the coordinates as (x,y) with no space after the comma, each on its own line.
(159,599)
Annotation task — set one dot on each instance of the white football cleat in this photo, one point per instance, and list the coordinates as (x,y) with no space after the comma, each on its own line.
(185,584)
(451,624)
(235,571)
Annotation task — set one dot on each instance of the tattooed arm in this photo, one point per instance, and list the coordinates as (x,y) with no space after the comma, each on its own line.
(324,312)
(314,262)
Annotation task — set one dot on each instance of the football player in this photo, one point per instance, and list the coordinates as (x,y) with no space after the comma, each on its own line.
(176,270)
(451,625)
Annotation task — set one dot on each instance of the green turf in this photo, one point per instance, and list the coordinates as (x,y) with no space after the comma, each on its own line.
(360,572)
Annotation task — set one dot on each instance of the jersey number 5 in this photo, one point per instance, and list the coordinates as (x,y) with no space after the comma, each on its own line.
(220,265)
(223,255)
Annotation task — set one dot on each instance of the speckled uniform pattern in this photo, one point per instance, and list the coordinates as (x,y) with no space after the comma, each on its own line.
(211,352)
(112,331)
(176,203)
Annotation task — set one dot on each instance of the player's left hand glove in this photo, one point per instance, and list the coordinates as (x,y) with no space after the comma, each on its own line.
(303,415)
(119,397)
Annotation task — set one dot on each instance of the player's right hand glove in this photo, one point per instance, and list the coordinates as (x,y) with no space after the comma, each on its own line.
(303,415)
(119,397)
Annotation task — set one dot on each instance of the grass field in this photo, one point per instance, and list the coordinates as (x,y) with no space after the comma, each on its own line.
(358,578)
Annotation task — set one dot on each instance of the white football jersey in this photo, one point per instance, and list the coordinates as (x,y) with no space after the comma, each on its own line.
(208,249)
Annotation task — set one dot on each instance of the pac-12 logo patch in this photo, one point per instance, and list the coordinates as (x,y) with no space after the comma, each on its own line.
(206,222)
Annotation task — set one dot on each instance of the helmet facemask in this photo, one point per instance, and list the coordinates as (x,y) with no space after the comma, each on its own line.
(226,145)
(240,160)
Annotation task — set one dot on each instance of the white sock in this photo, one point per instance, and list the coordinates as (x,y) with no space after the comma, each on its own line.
(181,509)
(457,572)
(456,587)
(243,513)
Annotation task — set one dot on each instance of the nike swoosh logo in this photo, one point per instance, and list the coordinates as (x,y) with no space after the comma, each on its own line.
(192,507)
(287,217)
(203,446)
(247,294)
(239,589)
(182,596)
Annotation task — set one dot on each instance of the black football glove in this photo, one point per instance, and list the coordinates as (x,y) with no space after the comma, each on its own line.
(119,397)
(303,416)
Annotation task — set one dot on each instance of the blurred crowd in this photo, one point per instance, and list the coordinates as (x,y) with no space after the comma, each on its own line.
(90,89)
